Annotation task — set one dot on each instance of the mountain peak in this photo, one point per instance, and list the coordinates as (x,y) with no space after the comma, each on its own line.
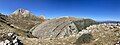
(21,11)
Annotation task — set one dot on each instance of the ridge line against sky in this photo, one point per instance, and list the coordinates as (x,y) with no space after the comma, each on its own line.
(100,10)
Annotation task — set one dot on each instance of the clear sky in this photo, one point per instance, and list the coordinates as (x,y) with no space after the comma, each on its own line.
(100,10)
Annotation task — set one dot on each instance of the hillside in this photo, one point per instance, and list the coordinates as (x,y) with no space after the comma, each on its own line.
(22,27)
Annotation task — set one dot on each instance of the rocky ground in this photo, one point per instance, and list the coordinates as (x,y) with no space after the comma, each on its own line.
(102,34)
(23,28)
(107,34)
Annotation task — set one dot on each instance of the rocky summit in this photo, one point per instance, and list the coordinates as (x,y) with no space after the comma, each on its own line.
(22,27)
(22,16)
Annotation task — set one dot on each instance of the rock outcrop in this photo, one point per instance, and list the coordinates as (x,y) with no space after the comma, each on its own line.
(61,27)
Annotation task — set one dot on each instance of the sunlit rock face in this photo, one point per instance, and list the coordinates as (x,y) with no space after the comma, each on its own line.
(60,27)
(24,14)
(21,11)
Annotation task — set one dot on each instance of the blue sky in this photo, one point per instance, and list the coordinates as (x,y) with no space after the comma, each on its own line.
(100,10)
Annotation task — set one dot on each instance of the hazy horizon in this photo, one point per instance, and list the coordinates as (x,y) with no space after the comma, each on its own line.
(100,10)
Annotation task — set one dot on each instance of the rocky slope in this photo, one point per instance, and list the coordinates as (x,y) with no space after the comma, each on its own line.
(20,21)
(71,40)
(106,34)
(97,34)
(100,34)
(4,24)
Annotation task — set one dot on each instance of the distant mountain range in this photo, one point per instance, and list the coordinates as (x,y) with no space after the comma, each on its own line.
(108,21)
